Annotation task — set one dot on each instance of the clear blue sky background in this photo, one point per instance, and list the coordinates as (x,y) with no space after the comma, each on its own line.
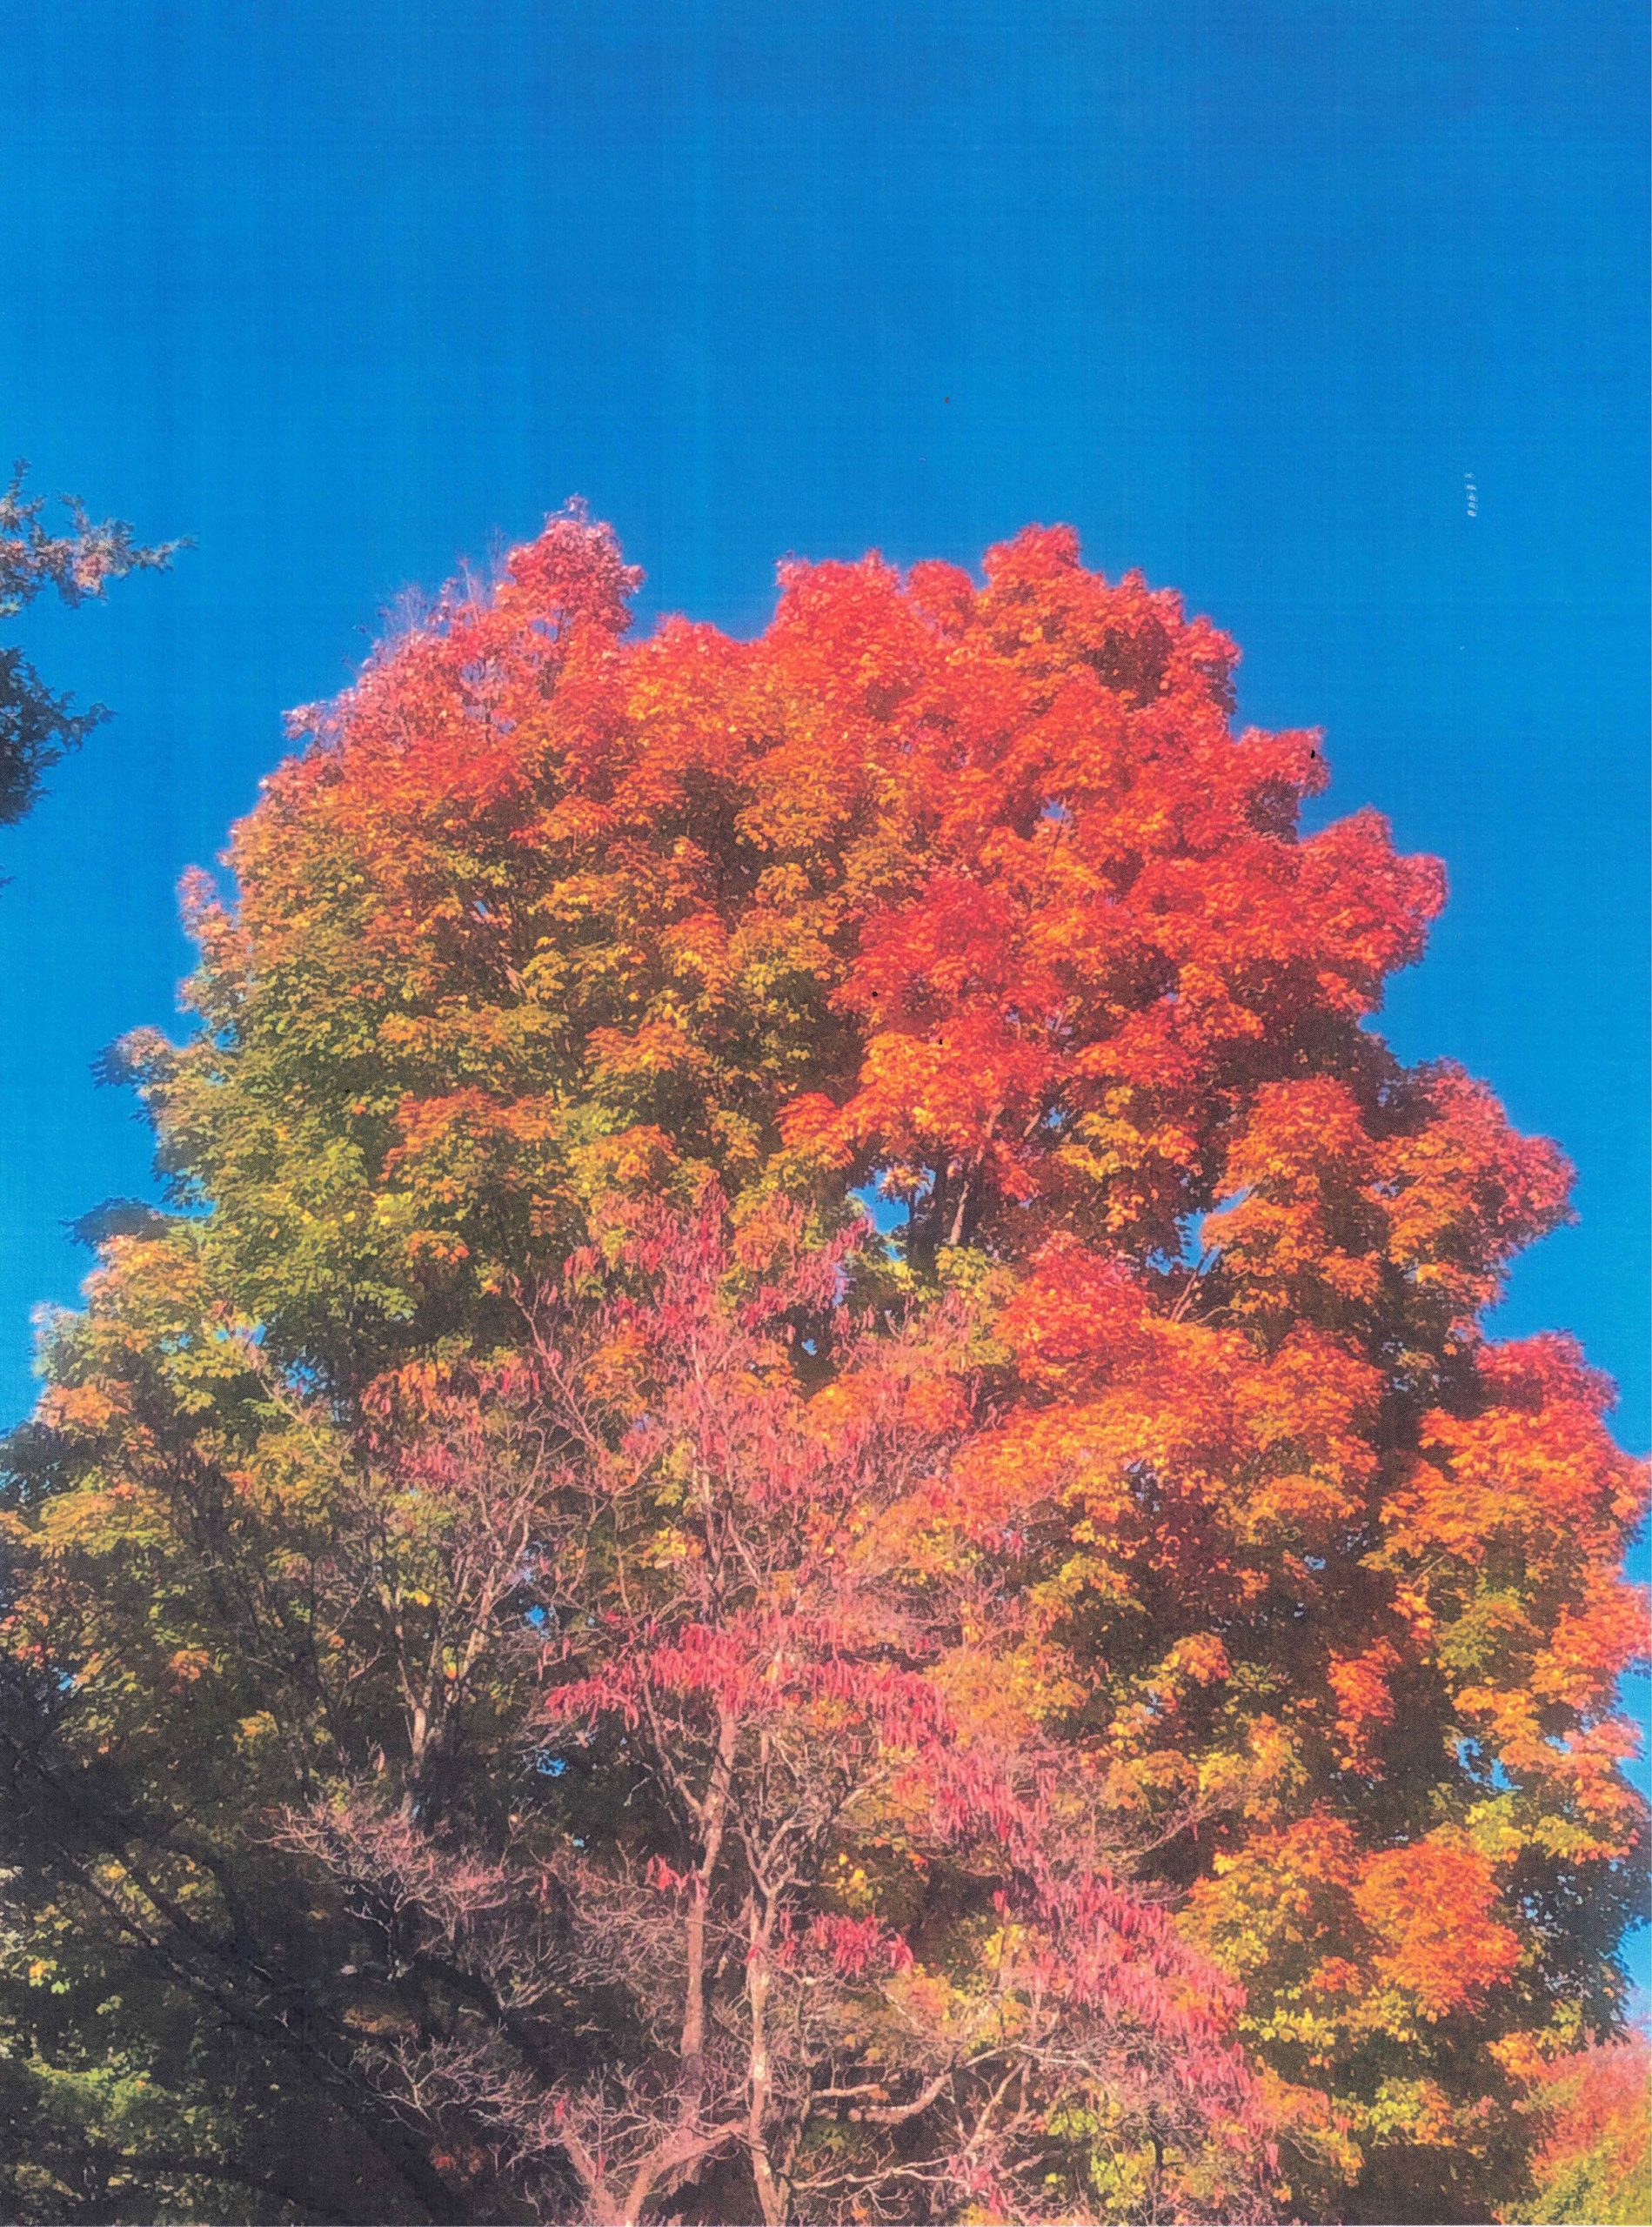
(345,289)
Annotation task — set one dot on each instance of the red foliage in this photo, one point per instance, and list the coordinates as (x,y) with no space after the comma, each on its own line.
(1594,2162)
(864,1941)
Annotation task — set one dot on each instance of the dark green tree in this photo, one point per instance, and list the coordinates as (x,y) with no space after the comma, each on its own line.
(38,725)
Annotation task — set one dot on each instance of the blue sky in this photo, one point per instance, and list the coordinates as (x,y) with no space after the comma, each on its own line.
(1250,293)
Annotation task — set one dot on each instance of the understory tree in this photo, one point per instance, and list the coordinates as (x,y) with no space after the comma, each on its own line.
(541,1644)
(837,1934)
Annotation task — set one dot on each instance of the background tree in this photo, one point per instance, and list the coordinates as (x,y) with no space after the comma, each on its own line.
(36,725)
(967,897)
(1596,2161)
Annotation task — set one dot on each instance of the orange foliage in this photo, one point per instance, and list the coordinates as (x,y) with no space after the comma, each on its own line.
(970,895)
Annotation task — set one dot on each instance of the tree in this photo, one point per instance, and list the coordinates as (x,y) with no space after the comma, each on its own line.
(968,899)
(831,1941)
(36,725)
(1596,2161)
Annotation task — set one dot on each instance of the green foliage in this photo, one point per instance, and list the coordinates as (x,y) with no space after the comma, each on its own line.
(1594,2167)
(36,725)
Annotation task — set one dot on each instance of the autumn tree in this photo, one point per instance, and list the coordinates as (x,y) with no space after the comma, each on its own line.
(832,1939)
(36,724)
(1596,2159)
(970,899)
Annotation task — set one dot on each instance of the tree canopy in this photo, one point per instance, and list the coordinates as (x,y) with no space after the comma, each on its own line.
(632,1685)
